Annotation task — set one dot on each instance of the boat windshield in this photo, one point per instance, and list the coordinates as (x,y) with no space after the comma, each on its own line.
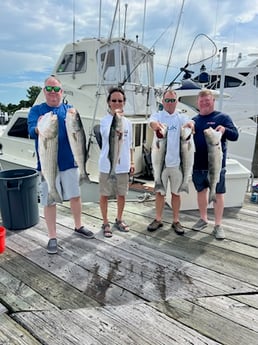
(122,63)
(73,62)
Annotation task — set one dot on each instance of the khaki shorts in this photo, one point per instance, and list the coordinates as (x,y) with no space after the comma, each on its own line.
(174,176)
(67,185)
(111,186)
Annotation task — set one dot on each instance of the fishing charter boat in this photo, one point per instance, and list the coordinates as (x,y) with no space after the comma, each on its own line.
(87,70)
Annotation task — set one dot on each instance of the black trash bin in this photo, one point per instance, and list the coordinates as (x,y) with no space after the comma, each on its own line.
(19,198)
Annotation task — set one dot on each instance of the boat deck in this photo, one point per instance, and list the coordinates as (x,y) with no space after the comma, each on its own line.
(135,288)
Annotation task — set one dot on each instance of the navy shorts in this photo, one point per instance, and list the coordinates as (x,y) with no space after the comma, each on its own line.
(201,181)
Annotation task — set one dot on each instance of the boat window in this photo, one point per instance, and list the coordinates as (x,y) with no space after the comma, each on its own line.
(141,74)
(73,62)
(232,82)
(19,128)
(79,61)
(229,82)
(108,65)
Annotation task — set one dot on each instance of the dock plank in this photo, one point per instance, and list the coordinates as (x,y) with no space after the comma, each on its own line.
(54,290)
(226,327)
(12,333)
(122,325)
(137,287)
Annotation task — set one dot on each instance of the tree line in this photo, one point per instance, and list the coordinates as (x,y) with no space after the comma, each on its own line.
(32,94)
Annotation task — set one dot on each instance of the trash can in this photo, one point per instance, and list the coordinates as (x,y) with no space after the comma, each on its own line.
(19,198)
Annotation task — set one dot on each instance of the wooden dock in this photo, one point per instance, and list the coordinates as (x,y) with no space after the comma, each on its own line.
(135,288)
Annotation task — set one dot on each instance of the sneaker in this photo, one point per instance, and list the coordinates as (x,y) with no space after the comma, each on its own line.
(154,225)
(178,228)
(52,246)
(218,232)
(85,232)
(200,225)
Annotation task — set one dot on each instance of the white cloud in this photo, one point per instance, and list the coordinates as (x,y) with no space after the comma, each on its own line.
(22,62)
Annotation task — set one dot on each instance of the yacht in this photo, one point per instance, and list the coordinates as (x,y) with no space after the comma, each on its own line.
(238,80)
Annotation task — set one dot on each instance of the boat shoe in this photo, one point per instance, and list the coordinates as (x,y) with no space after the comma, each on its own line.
(85,232)
(178,228)
(154,225)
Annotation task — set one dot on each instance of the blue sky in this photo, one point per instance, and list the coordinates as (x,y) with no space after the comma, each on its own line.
(33,33)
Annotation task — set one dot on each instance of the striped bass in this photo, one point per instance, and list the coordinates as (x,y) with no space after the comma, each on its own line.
(187,149)
(47,149)
(213,140)
(158,153)
(77,140)
(115,142)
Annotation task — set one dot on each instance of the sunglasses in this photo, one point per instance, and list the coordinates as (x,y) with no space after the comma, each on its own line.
(53,88)
(169,100)
(116,100)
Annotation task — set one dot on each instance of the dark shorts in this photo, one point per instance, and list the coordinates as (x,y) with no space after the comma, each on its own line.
(201,181)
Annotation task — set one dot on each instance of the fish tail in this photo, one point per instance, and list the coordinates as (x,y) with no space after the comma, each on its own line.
(53,197)
(112,175)
(184,188)
(159,187)
(212,197)
(84,179)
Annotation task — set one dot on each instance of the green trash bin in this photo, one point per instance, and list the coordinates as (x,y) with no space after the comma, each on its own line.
(19,198)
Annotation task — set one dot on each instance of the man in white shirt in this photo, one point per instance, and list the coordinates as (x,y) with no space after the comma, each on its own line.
(172,170)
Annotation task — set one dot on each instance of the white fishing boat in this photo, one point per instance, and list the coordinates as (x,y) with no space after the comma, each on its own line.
(87,70)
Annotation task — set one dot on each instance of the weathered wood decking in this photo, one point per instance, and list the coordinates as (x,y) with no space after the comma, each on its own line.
(135,288)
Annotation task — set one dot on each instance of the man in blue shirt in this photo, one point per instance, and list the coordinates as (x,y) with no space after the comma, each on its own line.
(67,177)
(222,123)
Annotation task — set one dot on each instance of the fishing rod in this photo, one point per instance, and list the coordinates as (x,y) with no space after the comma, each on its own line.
(188,63)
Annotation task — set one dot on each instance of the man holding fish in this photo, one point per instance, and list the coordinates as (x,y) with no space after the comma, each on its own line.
(116,159)
(167,125)
(212,130)
(56,159)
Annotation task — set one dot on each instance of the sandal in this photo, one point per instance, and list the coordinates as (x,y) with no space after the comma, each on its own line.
(106,230)
(121,226)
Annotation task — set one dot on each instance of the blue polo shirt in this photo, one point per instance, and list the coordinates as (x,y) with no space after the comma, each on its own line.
(213,120)
(65,158)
